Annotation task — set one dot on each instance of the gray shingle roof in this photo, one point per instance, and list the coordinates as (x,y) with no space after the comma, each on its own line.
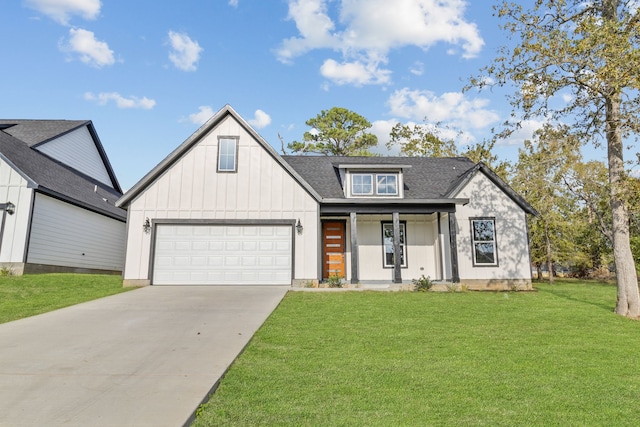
(52,177)
(34,132)
(426,178)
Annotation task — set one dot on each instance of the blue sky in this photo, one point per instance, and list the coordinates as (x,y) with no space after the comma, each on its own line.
(149,73)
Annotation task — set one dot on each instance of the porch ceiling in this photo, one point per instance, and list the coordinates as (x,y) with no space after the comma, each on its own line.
(402,206)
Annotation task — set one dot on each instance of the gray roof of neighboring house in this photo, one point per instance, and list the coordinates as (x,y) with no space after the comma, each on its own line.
(35,132)
(50,176)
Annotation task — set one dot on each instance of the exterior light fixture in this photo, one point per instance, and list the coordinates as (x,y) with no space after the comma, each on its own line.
(10,208)
(146,226)
(299,227)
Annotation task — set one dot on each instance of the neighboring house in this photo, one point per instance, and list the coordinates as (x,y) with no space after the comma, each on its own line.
(57,196)
(225,208)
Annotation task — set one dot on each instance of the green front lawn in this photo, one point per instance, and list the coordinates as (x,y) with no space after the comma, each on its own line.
(24,296)
(558,356)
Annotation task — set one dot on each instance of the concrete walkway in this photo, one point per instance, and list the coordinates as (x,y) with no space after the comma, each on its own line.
(147,357)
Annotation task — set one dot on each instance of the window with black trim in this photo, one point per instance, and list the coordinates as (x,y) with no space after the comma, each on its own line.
(387,243)
(483,236)
(227,154)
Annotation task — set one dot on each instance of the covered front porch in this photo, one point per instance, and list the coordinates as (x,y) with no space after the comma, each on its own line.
(359,242)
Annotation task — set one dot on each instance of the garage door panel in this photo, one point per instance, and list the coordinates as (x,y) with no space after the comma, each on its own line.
(216,246)
(200,246)
(215,261)
(232,261)
(283,246)
(218,254)
(249,261)
(250,231)
(182,246)
(283,261)
(249,246)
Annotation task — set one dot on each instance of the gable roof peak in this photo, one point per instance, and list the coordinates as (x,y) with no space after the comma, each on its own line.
(194,138)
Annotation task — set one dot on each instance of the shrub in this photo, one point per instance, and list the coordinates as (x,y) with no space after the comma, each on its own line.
(422,284)
(334,281)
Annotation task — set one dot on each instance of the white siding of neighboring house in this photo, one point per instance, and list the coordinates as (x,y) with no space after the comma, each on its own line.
(69,236)
(78,150)
(192,189)
(13,188)
(421,250)
(487,200)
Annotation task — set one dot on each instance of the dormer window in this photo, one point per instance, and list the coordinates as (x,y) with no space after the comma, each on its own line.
(387,184)
(372,180)
(362,184)
(374,184)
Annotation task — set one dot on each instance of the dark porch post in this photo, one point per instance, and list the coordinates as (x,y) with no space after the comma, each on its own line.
(354,248)
(397,259)
(453,241)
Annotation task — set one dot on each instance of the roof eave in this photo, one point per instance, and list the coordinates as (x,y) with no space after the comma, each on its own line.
(104,157)
(30,182)
(385,201)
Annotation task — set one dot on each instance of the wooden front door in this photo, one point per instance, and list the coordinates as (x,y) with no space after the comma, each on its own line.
(333,248)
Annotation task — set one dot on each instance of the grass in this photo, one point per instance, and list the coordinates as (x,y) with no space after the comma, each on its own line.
(24,296)
(558,356)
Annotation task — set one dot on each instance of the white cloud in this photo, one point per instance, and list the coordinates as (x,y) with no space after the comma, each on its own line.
(452,108)
(204,113)
(382,129)
(185,53)
(61,11)
(355,73)
(314,26)
(417,68)
(91,51)
(260,120)
(233,3)
(367,30)
(121,102)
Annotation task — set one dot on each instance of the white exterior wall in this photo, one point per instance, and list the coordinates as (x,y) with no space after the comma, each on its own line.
(14,189)
(487,200)
(193,189)
(78,150)
(421,249)
(69,236)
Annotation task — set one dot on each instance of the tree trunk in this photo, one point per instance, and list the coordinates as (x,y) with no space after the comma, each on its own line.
(549,255)
(628,303)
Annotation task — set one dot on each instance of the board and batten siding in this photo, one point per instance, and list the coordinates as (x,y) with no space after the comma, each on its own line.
(487,200)
(69,236)
(14,188)
(78,150)
(191,188)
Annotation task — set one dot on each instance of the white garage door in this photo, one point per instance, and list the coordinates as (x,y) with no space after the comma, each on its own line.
(222,255)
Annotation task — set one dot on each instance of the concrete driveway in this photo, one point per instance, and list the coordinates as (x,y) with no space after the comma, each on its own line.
(147,357)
